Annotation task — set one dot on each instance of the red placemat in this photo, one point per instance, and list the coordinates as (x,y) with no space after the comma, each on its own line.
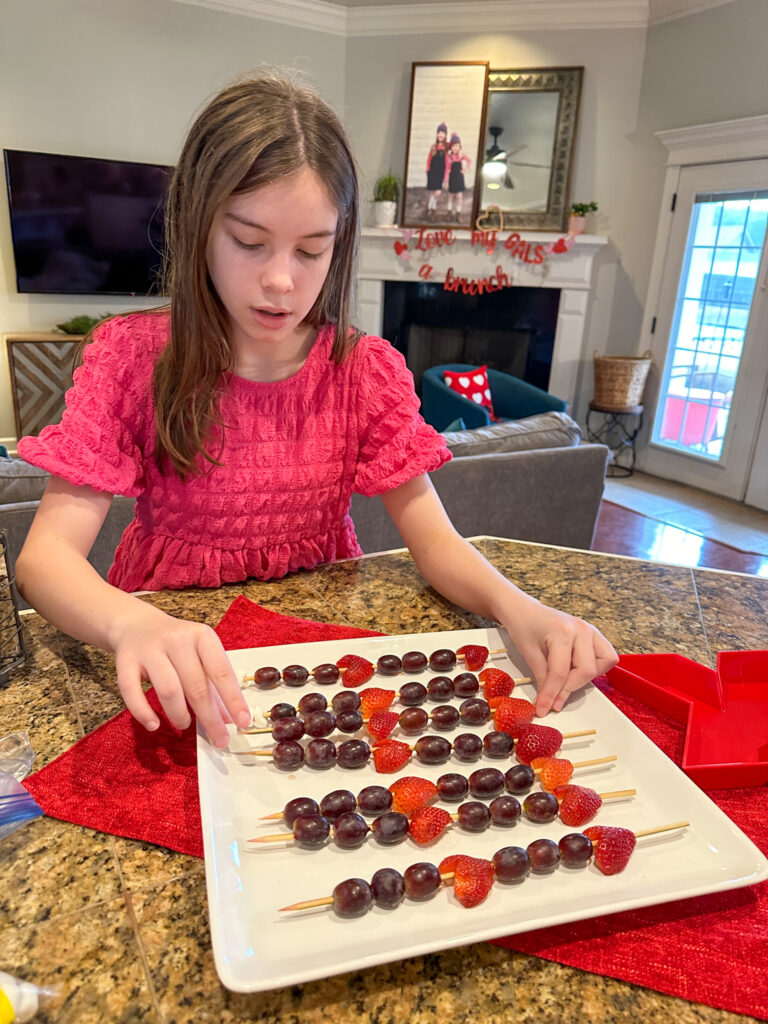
(710,949)
(129,782)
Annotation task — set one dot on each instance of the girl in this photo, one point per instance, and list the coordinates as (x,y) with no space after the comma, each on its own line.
(436,168)
(243,416)
(454,175)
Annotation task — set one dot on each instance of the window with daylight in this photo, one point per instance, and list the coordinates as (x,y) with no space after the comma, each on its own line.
(712,308)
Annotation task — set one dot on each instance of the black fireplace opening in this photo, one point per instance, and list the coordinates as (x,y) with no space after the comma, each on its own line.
(512,330)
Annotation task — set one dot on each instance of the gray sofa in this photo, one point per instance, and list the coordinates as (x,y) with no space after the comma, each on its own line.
(528,479)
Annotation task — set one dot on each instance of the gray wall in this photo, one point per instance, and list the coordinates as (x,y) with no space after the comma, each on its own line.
(123,79)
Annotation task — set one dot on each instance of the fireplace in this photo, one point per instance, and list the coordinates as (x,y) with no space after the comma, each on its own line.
(512,330)
(559,288)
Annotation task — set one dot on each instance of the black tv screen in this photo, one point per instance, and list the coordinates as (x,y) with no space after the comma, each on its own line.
(85,226)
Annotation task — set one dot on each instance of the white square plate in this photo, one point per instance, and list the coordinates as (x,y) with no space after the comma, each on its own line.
(256,947)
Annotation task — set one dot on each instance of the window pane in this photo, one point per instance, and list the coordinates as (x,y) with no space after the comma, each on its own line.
(725,241)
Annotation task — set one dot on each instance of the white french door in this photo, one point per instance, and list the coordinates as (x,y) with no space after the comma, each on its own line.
(710,344)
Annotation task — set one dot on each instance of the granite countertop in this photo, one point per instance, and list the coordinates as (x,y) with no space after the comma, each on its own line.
(122,926)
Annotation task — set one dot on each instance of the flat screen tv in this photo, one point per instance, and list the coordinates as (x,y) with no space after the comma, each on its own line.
(85,226)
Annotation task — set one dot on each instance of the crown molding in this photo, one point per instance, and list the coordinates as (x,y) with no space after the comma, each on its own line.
(743,139)
(461,15)
(660,11)
(495,16)
(317,15)
(422,18)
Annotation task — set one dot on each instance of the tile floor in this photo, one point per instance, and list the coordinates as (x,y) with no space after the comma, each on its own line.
(645,517)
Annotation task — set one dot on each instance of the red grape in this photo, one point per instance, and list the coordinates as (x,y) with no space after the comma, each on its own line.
(442,660)
(340,801)
(300,805)
(519,778)
(505,810)
(389,665)
(432,749)
(287,755)
(452,787)
(486,783)
(413,720)
(440,688)
(511,864)
(320,754)
(374,800)
(312,702)
(541,807)
(390,828)
(498,744)
(287,729)
(311,830)
(414,661)
(350,830)
(474,816)
(422,880)
(353,753)
(466,684)
(295,675)
(346,700)
(266,678)
(445,717)
(544,856)
(352,897)
(467,746)
(412,694)
(575,850)
(320,723)
(388,887)
(474,711)
(282,710)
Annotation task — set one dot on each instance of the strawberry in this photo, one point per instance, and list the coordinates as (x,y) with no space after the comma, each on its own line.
(375,699)
(537,741)
(411,792)
(472,878)
(555,771)
(498,683)
(578,805)
(426,824)
(513,715)
(390,756)
(475,656)
(447,865)
(381,724)
(357,670)
(612,847)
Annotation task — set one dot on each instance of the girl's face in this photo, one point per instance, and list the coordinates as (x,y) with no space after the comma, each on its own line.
(268,253)
(441,136)
(455,147)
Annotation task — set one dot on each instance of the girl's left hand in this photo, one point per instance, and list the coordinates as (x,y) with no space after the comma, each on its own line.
(564,652)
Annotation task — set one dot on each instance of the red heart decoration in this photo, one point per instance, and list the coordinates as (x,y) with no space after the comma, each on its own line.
(400,248)
(560,246)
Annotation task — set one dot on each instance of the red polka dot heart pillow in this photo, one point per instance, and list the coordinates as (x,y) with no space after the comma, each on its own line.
(471,384)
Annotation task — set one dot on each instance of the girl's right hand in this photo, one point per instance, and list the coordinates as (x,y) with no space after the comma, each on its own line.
(188,668)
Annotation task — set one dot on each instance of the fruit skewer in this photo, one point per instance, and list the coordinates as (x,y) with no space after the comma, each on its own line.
(497,685)
(392,755)
(350,829)
(472,877)
(411,792)
(511,715)
(355,670)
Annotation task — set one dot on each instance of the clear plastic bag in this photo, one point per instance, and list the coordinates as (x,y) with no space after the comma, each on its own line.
(16,804)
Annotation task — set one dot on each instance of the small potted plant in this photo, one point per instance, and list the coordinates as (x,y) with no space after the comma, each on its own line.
(386,192)
(578,220)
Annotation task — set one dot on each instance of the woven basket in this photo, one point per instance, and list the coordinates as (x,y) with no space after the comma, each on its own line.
(620,380)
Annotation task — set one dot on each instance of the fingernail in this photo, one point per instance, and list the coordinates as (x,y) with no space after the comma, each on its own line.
(153,726)
(222,740)
(244,719)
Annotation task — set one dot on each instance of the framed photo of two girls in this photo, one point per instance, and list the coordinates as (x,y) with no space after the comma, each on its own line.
(493,147)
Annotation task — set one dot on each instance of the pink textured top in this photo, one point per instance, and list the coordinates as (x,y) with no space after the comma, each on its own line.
(293,452)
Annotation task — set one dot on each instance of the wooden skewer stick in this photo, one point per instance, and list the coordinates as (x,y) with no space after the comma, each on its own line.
(326,901)
(268,754)
(662,828)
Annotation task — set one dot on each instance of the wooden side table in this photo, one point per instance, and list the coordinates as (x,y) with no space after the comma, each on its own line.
(40,366)
(616,428)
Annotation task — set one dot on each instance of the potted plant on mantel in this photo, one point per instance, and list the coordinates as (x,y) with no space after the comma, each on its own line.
(578,219)
(386,192)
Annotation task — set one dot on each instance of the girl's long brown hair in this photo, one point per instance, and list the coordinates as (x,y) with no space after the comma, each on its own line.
(255,132)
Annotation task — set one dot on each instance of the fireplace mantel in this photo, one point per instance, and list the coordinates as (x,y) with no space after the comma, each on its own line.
(570,272)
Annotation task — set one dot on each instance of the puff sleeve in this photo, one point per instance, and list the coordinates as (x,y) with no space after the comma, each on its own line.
(102,437)
(394,443)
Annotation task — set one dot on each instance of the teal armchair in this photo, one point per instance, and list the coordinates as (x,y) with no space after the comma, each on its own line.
(513,399)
